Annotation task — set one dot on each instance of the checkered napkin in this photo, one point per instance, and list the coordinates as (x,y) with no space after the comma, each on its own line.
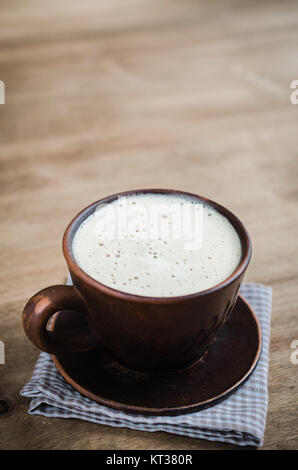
(239,419)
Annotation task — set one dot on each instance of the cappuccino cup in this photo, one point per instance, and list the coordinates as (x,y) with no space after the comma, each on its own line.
(155,272)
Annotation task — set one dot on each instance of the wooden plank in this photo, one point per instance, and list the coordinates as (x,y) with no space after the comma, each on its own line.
(111,95)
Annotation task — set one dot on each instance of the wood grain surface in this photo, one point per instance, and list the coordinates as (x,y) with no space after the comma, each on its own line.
(112,95)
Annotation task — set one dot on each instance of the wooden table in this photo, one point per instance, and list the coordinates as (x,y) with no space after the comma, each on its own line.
(112,95)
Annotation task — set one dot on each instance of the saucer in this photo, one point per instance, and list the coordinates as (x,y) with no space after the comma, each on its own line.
(228,363)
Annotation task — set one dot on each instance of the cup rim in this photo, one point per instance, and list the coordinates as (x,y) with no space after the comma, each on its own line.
(80,273)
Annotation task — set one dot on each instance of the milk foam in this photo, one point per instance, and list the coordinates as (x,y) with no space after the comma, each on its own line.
(148,255)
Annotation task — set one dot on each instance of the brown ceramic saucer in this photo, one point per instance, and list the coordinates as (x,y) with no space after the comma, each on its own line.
(230,360)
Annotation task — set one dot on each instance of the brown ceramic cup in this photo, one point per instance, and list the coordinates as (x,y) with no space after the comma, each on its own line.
(142,333)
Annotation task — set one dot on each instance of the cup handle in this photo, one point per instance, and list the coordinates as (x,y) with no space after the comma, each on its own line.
(42,306)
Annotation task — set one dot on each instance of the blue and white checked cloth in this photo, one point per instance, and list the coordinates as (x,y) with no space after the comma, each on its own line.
(240,419)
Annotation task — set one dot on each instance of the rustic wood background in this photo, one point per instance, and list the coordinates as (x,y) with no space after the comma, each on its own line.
(103,96)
